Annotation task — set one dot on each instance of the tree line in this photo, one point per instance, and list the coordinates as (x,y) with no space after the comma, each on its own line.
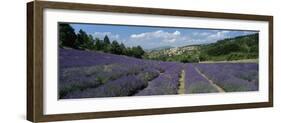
(84,41)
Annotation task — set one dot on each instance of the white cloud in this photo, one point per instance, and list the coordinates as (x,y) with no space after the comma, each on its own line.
(159,35)
(218,35)
(176,38)
(109,34)
(200,33)
(170,40)
(177,33)
(211,36)
(138,35)
(248,32)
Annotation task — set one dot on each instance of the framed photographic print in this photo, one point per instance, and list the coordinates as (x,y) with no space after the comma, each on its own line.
(96,61)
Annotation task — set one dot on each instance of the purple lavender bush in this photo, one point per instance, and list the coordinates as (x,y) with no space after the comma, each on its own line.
(232,76)
(124,86)
(80,78)
(90,74)
(195,83)
(166,83)
(76,80)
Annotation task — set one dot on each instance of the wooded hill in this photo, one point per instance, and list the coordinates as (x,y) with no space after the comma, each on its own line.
(237,48)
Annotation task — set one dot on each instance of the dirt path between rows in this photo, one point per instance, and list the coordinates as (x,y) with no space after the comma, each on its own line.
(210,81)
(181,89)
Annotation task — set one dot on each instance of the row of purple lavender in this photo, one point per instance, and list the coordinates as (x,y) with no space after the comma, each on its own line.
(89,74)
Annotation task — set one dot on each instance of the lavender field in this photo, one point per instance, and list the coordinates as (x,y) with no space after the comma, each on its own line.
(90,74)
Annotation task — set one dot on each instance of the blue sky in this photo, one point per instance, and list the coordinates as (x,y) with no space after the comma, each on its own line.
(154,37)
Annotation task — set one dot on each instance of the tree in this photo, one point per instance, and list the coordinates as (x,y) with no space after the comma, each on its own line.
(115,48)
(91,38)
(128,51)
(98,44)
(83,40)
(107,45)
(203,56)
(106,40)
(140,51)
(123,48)
(137,52)
(67,36)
